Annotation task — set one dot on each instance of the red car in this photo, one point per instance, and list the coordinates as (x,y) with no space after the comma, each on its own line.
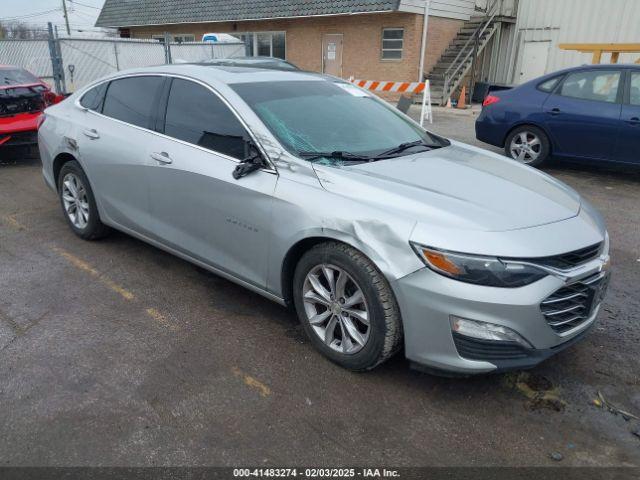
(23,98)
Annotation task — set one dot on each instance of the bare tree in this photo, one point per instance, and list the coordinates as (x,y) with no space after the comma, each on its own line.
(21,31)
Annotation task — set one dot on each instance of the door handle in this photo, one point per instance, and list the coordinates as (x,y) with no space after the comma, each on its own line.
(162,157)
(91,133)
(634,121)
(555,111)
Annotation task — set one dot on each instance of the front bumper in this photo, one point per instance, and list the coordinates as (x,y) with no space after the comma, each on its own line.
(427,300)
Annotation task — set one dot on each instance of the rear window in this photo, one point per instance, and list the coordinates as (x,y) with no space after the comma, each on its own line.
(17,76)
(94,97)
(133,100)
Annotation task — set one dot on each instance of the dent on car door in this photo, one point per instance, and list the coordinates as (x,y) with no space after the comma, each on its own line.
(112,147)
(197,205)
(628,149)
(583,114)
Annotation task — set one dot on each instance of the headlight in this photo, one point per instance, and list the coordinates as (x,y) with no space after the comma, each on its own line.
(488,271)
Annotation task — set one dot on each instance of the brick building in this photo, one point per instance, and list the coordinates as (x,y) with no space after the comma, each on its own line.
(370,39)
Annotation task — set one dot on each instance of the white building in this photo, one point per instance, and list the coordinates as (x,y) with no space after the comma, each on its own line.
(533,49)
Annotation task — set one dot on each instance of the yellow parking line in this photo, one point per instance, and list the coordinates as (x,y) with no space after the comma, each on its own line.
(252,382)
(13,223)
(85,267)
(80,264)
(161,319)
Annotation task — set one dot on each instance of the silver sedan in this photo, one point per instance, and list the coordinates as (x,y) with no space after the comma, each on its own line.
(320,196)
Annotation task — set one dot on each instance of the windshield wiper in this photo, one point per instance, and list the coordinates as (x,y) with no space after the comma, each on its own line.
(404,146)
(346,156)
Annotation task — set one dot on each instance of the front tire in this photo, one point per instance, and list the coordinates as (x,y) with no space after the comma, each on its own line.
(78,203)
(528,145)
(346,307)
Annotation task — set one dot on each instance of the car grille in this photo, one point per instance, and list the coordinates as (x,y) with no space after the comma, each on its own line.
(571,259)
(571,306)
(475,349)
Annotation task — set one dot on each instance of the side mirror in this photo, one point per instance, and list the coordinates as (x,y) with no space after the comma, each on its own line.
(247,166)
(250,164)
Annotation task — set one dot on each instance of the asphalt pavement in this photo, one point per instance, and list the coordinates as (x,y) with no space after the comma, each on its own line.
(114,353)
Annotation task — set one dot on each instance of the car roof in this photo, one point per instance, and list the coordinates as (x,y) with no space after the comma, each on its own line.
(258,62)
(228,74)
(600,66)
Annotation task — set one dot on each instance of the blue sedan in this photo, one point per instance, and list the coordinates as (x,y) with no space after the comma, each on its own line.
(590,113)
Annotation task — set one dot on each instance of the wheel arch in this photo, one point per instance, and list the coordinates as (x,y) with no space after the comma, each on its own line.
(58,162)
(298,249)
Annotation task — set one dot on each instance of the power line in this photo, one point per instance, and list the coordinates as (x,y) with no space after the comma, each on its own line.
(80,9)
(85,15)
(30,15)
(73,2)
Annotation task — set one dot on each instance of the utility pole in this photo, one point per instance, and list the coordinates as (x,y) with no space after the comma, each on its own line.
(66,16)
(423,49)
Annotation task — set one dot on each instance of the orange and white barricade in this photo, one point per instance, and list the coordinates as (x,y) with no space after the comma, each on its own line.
(402,87)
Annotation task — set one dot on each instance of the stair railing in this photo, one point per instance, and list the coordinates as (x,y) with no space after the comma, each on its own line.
(493,10)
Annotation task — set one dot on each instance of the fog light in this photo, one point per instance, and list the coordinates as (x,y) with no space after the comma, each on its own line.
(486,331)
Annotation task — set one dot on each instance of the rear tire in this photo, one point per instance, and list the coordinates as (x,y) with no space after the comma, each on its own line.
(79,204)
(351,315)
(528,145)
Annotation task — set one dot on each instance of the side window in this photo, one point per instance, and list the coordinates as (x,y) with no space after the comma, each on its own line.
(196,115)
(94,97)
(133,100)
(635,89)
(598,85)
(549,85)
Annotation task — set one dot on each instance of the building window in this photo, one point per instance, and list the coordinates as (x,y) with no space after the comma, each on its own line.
(264,44)
(392,43)
(184,38)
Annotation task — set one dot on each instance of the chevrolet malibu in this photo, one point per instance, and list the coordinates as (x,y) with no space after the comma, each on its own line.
(320,196)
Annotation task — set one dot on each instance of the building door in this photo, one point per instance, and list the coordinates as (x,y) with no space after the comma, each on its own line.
(332,54)
(534,60)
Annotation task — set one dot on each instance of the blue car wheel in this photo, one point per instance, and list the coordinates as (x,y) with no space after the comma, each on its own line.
(529,145)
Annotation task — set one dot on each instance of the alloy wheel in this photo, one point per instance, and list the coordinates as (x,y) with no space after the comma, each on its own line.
(336,309)
(525,147)
(75,200)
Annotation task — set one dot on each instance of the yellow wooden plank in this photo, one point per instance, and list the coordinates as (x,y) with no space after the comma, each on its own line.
(602,47)
(597,57)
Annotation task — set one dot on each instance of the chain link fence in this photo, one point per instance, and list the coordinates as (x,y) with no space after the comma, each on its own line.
(33,55)
(71,63)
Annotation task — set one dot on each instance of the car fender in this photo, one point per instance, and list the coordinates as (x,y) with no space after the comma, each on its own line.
(307,213)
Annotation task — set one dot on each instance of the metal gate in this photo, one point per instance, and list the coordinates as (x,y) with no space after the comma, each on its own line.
(70,63)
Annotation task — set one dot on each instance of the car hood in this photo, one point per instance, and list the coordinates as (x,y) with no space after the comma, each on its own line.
(459,187)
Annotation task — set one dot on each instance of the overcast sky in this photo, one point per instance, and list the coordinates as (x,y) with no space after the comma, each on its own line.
(82,14)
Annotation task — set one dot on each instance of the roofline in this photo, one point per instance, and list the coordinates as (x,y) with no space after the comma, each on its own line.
(392,10)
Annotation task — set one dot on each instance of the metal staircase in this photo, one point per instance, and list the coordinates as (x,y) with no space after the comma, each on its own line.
(458,59)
